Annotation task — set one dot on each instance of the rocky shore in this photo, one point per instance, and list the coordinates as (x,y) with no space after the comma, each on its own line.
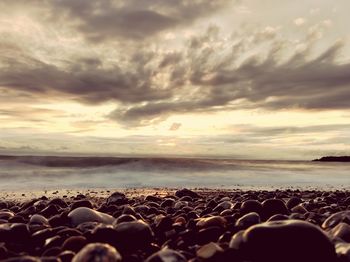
(177,226)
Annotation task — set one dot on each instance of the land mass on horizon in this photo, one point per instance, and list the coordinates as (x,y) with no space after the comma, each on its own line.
(333,159)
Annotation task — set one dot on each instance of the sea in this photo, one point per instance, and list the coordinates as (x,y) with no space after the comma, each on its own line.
(49,173)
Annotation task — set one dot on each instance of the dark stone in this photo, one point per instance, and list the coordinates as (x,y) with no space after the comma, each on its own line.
(66,256)
(116,198)
(287,241)
(50,211)
(167,203)
(248,220)
(136,232)
(293,201)
(104,234)
(335,219)
(272,207)
(74,243)
(249,206)
(166,255)
(17,219)
(58,202)
(97,252)
(81,203)
(209,234)
(125,218)
(212,221)
(186,192)
(278,217)
(340,232)
(50,252)
(153,198)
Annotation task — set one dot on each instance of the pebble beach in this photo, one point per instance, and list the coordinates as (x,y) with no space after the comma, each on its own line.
(175,225)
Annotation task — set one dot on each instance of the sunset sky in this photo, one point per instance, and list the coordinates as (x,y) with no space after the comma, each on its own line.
(262,79)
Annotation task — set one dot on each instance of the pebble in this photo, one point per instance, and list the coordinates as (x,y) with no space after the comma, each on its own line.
(133,235)
(291,240)
(97,252)
(166,255)
(248,220)
(214,226)
(335,219)
(272,207)
(186,192)
(209,251)
(84,214)
(212,221)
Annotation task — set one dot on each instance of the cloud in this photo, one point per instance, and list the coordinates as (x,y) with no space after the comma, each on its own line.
(299,21)
(132,19)
(175,126)
(149,80)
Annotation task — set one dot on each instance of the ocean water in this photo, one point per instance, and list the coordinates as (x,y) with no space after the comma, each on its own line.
(48,173)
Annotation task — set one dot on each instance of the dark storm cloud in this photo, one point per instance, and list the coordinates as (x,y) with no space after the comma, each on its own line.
(198,76)
(82,79)
(133,19)
(320,83)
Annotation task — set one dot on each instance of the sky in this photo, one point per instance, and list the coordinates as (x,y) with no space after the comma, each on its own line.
(259,79)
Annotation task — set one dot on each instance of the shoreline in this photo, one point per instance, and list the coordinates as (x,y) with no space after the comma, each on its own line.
(27,194)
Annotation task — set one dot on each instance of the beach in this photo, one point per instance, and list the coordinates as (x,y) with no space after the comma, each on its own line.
(138,209)
(161,224)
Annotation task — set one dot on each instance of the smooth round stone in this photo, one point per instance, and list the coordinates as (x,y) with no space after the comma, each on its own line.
(209,234)
(66,256)
(153,198)
(6,214)
(180,204)
(143,209)
(237,240)
(38,219)
(278,217)
(59,202)
(104,234)
(97,252)
(3,205)
(211,221)
(186,192)
(225,205)
(168,202)
(340,231)
(82,203)
(248,220)
(84,214)
(290,240)
(251,206)
(50,211)
(74,243)
(125,218)
(209,251)
(166,255)
(116,198)
(300,209)
(133,235)
(335,219)
(273,207)
(293,201)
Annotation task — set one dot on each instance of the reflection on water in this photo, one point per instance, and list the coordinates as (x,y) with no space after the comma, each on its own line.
(176,173)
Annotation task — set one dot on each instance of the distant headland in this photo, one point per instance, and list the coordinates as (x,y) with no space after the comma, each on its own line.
(333,159)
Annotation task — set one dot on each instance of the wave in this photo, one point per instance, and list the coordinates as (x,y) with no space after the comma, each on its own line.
(89,162)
